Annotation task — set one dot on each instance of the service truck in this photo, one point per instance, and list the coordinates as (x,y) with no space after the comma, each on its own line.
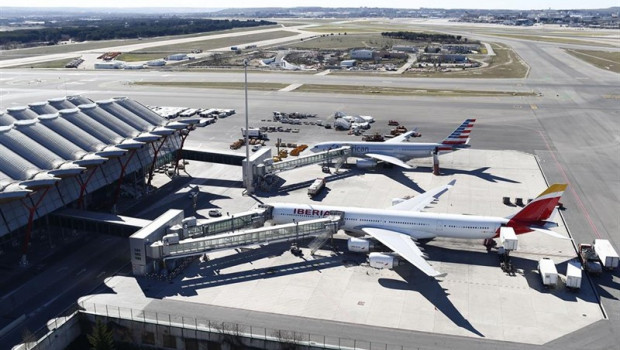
(253,133)
(316,187)
(589,259)
(606,253)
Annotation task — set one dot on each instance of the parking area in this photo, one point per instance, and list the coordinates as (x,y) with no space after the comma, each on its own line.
(476,298)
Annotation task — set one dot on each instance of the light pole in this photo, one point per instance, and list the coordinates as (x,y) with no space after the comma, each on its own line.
(247,176)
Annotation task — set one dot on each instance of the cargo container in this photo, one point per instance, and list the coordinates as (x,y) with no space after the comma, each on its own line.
(508,238)
(606,253)
(548,272)
(573,274)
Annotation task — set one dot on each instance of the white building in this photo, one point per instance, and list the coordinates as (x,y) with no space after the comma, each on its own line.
(109,65)
(348,63)
(156,63)
(177,57)
(361,54)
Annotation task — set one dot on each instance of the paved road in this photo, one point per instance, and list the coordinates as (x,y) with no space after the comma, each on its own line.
(573,127)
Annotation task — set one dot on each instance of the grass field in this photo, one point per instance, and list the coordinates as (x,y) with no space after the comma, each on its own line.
(343,89)
(211,44)
(94,45)
(349,41)
(602,59)
(505,64)
(216,85)
(392,91)
(138,57)
(49,64)
(362,26)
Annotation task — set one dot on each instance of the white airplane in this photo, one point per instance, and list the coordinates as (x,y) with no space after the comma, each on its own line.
(396,152)
(399,226)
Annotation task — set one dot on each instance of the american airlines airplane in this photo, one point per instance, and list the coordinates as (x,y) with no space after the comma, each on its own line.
(396,152)
(399,226)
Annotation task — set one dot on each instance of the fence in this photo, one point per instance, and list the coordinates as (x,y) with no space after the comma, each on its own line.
(218,328)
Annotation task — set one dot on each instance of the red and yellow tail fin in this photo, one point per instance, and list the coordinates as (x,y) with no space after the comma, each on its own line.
(541,208)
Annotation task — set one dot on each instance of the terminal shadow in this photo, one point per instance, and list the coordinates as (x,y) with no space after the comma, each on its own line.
(189,287)
(430,289)
(281,190)
(203,181)
(480,173)
(209,273)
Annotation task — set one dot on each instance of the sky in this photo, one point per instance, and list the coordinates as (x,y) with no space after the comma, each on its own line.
(447,4)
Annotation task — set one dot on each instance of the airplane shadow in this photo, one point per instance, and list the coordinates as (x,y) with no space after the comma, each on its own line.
(398,175)
(527,268)
(480,173)
(430,289)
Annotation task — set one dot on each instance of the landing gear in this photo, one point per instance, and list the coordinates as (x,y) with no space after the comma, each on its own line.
(504,261)
(489,243)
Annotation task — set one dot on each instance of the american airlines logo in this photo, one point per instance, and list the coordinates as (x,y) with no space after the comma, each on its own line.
(312,212)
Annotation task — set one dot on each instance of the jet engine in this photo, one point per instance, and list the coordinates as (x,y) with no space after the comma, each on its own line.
(366,163)
(383,260)
(359,245)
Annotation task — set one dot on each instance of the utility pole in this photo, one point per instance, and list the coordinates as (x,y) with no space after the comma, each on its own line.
(247,176)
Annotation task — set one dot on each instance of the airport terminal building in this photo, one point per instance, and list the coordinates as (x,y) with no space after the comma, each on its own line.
(78,153)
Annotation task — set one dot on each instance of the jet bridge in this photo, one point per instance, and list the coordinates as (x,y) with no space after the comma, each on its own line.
(338,154)
(268,168)
(320,228)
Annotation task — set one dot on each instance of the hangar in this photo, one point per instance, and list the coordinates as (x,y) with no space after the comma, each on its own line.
(78,153)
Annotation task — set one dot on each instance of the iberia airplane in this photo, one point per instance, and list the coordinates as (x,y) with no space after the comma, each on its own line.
(399,226)
(396,152)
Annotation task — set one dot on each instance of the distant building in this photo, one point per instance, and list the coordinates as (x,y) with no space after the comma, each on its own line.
(110,65)
(405,48)
(361,54)
(133,66)
(156,63)
(348,63)
(177,57)
(442,58)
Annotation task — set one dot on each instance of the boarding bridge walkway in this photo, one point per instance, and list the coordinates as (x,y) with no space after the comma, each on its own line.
(324,227)
(338,154)
(213,226)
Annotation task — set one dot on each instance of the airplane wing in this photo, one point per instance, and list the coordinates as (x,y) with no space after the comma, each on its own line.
(404,246)
(389,159)
(402,137)
(420,202)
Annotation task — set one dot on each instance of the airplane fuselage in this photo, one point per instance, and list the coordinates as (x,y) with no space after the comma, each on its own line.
(401,150)
(419,225)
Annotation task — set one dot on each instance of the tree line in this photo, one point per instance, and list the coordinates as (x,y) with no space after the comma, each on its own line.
(88,30)
(426,37)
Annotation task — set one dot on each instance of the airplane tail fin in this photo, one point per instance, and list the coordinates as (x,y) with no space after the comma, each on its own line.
(460,136)
(542,207)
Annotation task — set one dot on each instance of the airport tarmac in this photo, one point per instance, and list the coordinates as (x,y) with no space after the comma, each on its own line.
(476,299)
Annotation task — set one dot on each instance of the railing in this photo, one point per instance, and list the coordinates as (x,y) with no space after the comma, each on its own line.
(232,329)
